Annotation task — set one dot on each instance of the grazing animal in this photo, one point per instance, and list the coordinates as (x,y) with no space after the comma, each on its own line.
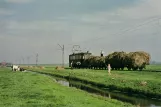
(15,68)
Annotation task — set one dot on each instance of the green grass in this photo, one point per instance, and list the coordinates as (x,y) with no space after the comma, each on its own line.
(153,67)
(26,89)
(122,80)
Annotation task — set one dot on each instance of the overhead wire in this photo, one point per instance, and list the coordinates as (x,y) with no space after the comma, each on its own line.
(123,31)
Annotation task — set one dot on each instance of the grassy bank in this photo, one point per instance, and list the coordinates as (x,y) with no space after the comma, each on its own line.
(25,89)
(145,83)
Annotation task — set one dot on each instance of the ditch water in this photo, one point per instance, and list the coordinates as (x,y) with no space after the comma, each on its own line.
(133,99)
(140,101)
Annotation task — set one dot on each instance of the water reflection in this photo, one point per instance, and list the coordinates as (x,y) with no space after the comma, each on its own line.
(133,99)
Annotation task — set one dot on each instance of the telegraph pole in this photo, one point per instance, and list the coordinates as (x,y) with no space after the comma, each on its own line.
(62,48)
(23,60)
(37,55)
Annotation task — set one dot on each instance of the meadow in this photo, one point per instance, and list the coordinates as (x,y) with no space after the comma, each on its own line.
(26,89)
(141,82)
(156,68)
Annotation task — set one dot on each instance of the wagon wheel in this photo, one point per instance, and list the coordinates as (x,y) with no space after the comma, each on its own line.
(135,68)
(129,69)
(141,69)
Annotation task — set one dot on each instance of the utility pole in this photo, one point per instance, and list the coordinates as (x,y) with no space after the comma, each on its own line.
(23,60)
(62,48)
(37,55)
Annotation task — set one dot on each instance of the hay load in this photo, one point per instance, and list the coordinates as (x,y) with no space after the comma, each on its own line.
(133,60)
(90,62)
(116,60)
(102,62)
(59,68)
(99,62)
(137,60)
(145,55)
(96,62)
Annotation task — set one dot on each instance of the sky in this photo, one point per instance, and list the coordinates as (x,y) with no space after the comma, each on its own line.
(28,27)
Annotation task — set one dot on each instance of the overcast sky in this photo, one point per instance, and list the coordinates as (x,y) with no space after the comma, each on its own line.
(28,27)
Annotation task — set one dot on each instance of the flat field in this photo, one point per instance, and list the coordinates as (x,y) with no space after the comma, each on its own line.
(153,67)
(26,89)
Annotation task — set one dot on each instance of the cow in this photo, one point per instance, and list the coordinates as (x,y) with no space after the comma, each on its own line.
(15,68)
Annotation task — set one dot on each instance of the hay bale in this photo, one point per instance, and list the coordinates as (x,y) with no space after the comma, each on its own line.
(42,67)
(31,67)
(59,68)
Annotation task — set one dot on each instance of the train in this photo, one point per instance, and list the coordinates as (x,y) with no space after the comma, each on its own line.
(76,60)
(118,60)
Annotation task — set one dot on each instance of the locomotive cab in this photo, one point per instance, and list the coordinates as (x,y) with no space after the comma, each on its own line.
(78,58)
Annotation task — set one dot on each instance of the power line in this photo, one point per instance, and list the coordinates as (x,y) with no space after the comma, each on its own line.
(37,55)
(125,30)
(121,32)
(76,48)
(62,48)
(28,59)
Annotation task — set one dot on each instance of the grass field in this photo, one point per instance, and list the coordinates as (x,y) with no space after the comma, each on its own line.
(153,67)
(26,89)
(144,82)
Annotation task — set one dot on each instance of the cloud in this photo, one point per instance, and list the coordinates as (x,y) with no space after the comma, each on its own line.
(101,18)
(125,28)
(37,25)
(19,1)
(144,13)
(145,9)
(141,11)
(6,12)
(35,36)
(43,32)
(111,30)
